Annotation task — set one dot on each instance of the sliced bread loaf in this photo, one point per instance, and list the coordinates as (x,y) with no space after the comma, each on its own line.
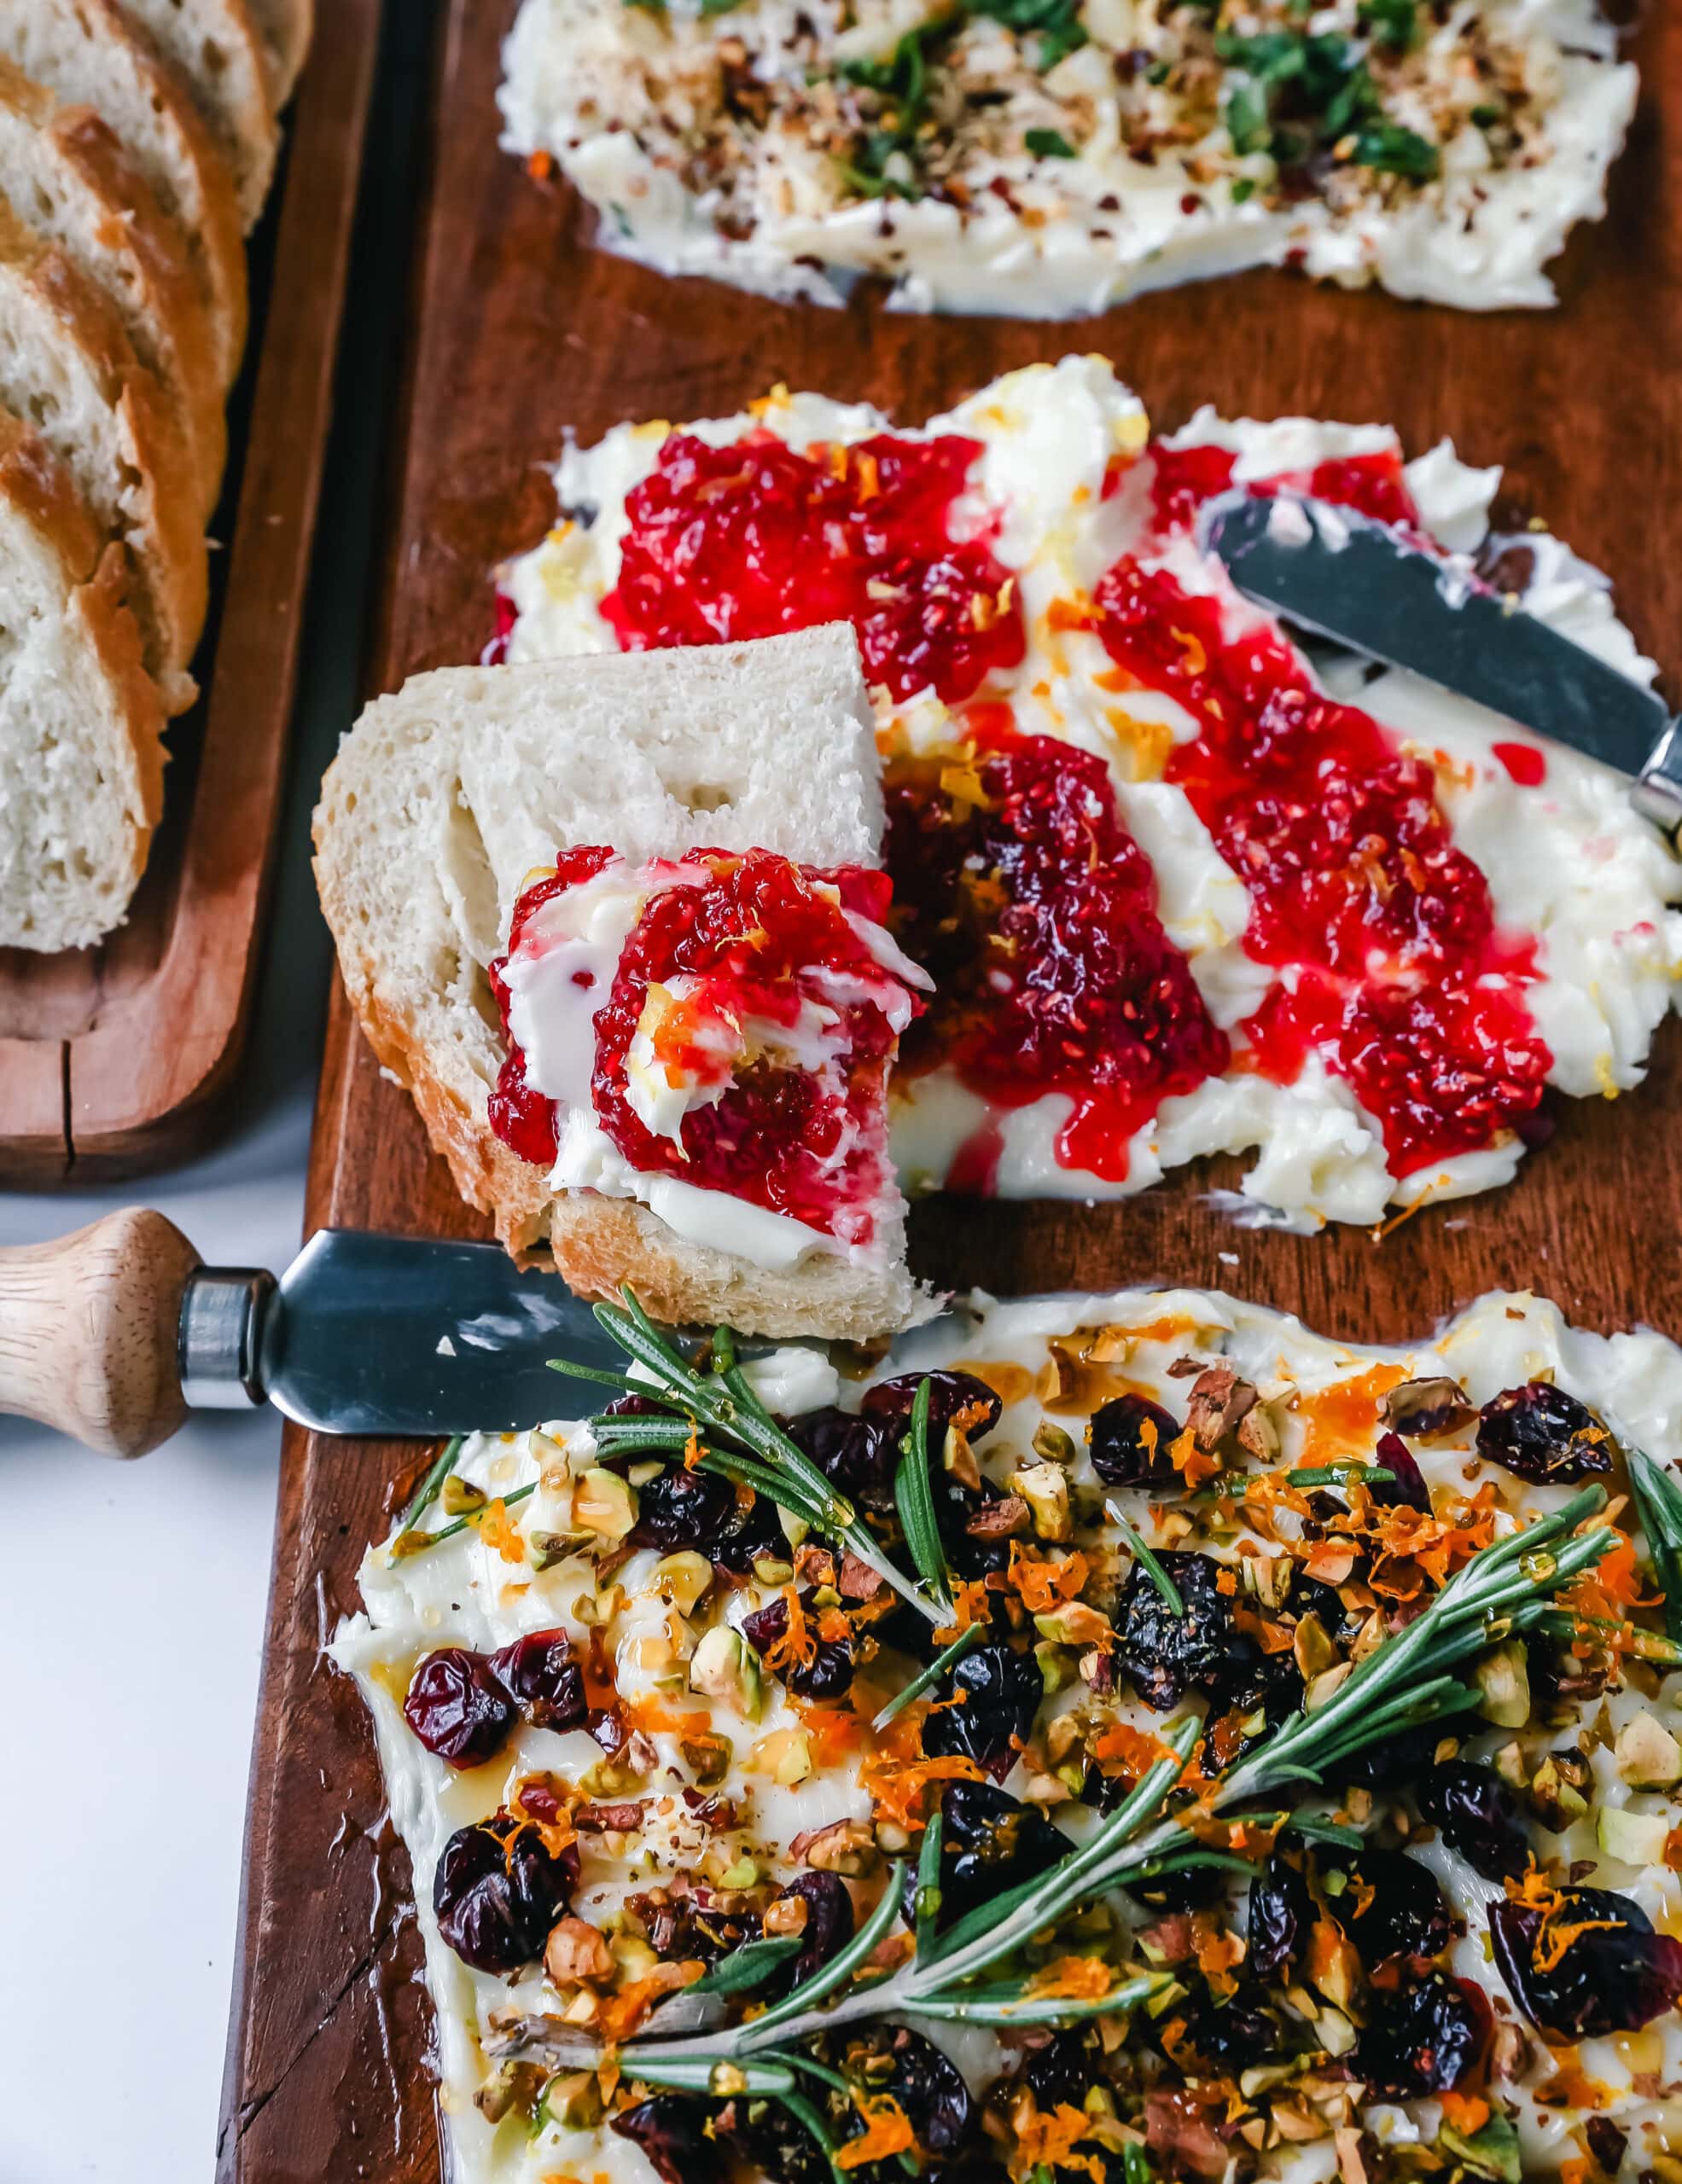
(91,53)
(213,47)
(285,28)
(81,725)
(443,799)
(69,179)
(67,367)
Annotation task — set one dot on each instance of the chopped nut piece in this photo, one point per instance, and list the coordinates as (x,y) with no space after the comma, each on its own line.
(459,1495)
(788,1915)
(1647,1754)
(1503,1678)
(1053,1443)
(1218,1403)
(1259,1434)
(857,1581)
(577,1953)
(725,1666)
(706,1757)
(624,1818)
(1045,1491)
(845,1846)
(1427,1410)
(1000,1519)
(684,1579)
(514,2086)
(604,1503)
(958,1459)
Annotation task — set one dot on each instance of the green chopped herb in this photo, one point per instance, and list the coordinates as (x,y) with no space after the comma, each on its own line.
(1049,144)
(1242,190)
(1392,23)
(1389,148)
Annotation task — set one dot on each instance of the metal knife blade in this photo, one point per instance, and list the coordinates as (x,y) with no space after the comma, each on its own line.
(1355,581)
(397,1335)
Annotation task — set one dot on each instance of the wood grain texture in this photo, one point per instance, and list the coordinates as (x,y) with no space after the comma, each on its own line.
(113,1059)
(521,332)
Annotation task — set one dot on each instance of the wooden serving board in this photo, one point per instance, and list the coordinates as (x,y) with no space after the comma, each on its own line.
(113,1058)
(521,332)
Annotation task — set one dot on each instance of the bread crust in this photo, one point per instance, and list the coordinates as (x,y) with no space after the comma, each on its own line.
(164,533)
(285,28)
(136,255)
(232,99)
(38,485)
(69,45)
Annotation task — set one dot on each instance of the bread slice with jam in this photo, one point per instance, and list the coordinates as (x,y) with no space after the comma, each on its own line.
(617,924)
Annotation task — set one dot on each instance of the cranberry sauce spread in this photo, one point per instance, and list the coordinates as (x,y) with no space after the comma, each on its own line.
(1018,887)
(737,1025)
(756,537)
(1391,963)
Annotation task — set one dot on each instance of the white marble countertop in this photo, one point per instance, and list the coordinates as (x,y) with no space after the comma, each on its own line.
(132,1617)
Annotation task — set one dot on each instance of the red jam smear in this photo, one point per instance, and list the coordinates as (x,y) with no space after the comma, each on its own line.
(755,931)
(758,537)
(1524,762)
(1399,974)
(1035,910)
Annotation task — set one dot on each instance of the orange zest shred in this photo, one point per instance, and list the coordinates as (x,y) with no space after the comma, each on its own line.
(1195,1466)
(888,2131)
(1075,1978)
(1043,1585)
(1134,1751)
(1466,2113)
(897,1786)
(969,1600)
(1049,2140)
(797,1647)
(692,1449)
(497,1530)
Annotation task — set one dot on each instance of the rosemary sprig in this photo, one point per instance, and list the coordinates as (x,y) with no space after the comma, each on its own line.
(742,1439)
(424,1495)
(748,1967)
(1341,1474)
(1658,1496)
(1629,1637)
(927,1678)
(1146,1561)
(772,2077)
(914,1498)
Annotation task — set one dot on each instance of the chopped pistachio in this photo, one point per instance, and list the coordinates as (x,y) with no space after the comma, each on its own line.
(725,1666)
(1647,1754)
(1045,1488)
(604,1504)
(1073,1623)
(1503,1678)
(1057,1669)
(1636,1837)
(684,1579)
(459,1495)
(1053,1443)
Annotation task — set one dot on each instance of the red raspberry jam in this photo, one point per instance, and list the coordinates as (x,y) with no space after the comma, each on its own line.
(1399,974)
(756,539)
(1016,885)
(1183,478)
(715,966)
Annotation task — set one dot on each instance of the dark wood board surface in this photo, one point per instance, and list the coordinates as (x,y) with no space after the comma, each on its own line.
(520,332)
(113,1059)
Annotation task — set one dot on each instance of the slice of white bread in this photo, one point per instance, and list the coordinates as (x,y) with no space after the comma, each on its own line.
(81,724)
(286,27)
(91,54)
(216,51)
(444,798)
(69,179)
(67,367)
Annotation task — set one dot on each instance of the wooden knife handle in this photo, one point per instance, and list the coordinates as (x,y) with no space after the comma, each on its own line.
(88,1331)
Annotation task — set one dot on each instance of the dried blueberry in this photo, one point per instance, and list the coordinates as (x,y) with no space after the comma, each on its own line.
(1280,1917)
(457,1708)
(771,2143)
(1190,1889)
(1222,2038)
(985,1708)
(929,2090)
(1478,1817)
(1164,1655)
(538,1672)
(1395,1759)
(1422,2037)
(1130,1440)
(1589,1966)
(672,2132)
(680,1510)
(1059,2074)
(827,1673)
(990,1843)
(497,1892)
(1540,1433)
(859,1454)
(961,1513)
(1408,1489)
(954,1399)
(1390,1906)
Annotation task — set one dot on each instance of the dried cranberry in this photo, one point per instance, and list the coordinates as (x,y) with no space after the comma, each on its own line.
(1408,1489)
(457,1708)
(827,1674)
(1540,1433)
(954,1399)
(1191,1889)
(680,1510)
(1280,1917)
(769,2142)
(985,1708)
(1391,1907)
(1615,1975)
(755,1535)
(539,1673)
(497,1892)
(971,1554)
(672,2132)
(633,1406)
(1223,2038)
(1130,1439)
(829,1923)
(990,1843)
(1396,1759)
(930,2090)
(1059,2074)
(1478,1816)
(1164,1655)
(1420,2038)
(1606,2143)
(858,1454)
